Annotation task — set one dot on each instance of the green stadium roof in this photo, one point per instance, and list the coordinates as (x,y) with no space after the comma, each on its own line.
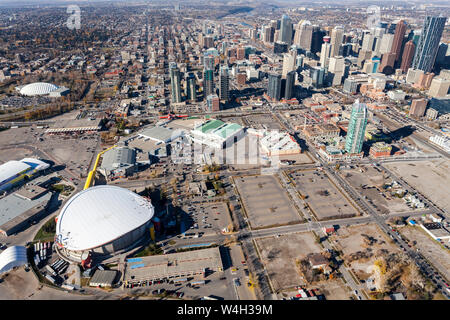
(210,125)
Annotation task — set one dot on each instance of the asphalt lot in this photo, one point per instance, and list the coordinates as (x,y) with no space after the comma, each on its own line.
(206,218)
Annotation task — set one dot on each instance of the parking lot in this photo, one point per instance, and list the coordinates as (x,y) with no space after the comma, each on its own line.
(279,255)
(266,202)
(325,200)
(206,218)
(215,284)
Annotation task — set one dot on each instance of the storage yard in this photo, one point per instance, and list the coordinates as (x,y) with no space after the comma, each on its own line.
(266,202)
(321,195)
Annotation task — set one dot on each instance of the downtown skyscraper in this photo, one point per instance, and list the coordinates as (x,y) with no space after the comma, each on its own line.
(286,29)
(274,86)
(408,54)
(397,43)
(428,45)
(337,35)
(356,128)
(303,35)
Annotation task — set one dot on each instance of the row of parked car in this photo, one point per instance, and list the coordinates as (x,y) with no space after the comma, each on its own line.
(172,293)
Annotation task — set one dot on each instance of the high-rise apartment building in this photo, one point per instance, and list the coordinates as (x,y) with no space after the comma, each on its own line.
(191,88)
(240,53)
(175,83)
(386,43)
(224,84)
(356,128)
(208,82)
(208,62)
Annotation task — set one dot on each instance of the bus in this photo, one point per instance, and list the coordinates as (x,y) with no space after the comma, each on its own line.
(198,283)
(179,280)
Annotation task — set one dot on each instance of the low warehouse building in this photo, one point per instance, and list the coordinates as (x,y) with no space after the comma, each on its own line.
(118,162)
(279,143)
(172,266)
(13,172)
(17,210)
(103,278)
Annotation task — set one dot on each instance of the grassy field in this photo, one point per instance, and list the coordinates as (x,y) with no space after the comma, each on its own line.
(149,250)
(47,231)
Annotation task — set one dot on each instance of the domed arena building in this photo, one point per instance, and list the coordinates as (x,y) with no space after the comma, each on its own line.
(38,89)
(42,89)
(102,221)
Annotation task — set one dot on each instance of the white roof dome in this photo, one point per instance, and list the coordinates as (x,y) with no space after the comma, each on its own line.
(99,215)
(38,88)
(15,256)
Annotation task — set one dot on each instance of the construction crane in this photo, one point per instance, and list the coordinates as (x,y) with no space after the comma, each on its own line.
(91,175)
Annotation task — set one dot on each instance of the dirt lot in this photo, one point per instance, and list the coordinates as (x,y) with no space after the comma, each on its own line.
(322,196)
(279,256)
(265,201)
(430,248)
(20,285)
(368,183)
(351,240)
(427,177)
(332,290)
